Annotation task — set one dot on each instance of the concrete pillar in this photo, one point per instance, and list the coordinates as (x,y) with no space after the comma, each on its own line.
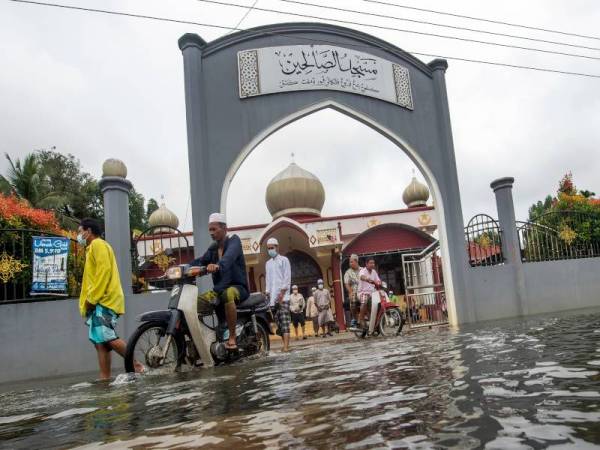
(204,200)
(336,271)
(115,189)
(511,248)
(461,305)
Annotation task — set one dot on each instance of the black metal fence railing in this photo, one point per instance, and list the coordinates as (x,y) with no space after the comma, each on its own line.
(153,252)
(16,265)
(560,235)
(484,241)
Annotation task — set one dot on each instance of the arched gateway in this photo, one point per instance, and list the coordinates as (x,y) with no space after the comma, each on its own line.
(241,88)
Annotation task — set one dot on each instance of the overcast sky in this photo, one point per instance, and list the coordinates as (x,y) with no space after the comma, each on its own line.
(101,86)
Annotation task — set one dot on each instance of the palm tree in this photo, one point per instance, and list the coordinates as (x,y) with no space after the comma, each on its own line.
(26,180)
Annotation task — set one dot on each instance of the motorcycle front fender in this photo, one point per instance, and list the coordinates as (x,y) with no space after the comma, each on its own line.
(163,316)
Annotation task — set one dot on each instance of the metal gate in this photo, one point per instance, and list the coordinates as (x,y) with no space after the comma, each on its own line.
(425,298)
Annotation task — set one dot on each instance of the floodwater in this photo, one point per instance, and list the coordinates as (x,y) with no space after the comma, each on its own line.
(532,383)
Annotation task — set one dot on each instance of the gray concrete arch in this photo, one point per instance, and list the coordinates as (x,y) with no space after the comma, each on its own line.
(223,128)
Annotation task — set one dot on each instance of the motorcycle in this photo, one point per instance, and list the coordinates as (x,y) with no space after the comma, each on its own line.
(383,317)
(180,335)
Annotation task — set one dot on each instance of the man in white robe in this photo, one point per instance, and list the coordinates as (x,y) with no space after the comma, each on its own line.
(278,281)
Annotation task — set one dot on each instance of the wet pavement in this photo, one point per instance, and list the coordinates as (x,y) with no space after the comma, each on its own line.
(517,384)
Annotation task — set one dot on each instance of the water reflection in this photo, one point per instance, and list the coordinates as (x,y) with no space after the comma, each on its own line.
(531,383)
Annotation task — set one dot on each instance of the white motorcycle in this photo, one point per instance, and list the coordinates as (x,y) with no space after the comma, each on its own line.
(179,336)
(383,317)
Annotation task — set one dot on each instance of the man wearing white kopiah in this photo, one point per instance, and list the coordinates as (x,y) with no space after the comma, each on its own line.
(224,259)
(278,280)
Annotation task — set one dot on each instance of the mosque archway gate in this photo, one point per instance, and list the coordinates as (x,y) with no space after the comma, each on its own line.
(237,94)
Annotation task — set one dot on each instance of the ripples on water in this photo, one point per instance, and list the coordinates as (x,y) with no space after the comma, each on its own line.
(532,383)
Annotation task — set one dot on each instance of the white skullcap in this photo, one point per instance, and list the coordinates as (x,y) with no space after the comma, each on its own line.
(272,241)
(217,218)
(390,292)
(354,256)
(319,281)
(314,288)
(294,287)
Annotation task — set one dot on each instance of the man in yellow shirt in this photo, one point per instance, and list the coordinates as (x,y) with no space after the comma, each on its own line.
(101,301)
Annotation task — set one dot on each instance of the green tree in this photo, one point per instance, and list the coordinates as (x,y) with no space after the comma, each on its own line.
(27,180)
(137,212)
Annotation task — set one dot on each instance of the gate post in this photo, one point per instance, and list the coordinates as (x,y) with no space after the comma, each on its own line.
(203,195)
(115,189)
(511,247)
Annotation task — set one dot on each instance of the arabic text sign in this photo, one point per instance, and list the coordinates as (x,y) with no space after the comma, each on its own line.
(50,258)
(271,70)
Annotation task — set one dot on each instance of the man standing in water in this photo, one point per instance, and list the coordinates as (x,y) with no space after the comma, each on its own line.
(323,302)
(278,280)
(351,279)
(312,312)
(101,301)
(297,305)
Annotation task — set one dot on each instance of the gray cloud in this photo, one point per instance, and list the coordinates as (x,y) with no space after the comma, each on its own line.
(103,86)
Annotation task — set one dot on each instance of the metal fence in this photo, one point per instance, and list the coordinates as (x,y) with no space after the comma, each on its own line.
(560,235)
(425,298)
(16,265)
(153,252)
(484,241)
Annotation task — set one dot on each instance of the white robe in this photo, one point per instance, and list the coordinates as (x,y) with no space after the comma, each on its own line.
(278,278)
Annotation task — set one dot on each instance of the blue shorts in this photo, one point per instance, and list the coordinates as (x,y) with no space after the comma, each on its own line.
(102,322)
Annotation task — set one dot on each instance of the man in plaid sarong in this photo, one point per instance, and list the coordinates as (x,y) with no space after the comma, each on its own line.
(278,281)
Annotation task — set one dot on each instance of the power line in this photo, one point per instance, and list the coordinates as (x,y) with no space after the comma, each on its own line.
(119,13)
(482,19)
(453,27)
(421,33)
(186,22)
(237,25)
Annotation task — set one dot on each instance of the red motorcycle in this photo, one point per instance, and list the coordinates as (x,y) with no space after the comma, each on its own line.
(383,317)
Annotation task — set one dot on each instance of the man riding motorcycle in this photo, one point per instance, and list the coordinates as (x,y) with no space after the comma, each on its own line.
(369,281)
(224,259)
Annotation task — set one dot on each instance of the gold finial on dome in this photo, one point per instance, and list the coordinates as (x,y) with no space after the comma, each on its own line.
(295,192)
(415,194)
(163,219)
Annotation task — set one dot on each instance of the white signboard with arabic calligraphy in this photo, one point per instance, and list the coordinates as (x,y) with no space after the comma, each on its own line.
(271,70)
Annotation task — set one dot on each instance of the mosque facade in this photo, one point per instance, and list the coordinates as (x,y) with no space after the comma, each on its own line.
(317,246)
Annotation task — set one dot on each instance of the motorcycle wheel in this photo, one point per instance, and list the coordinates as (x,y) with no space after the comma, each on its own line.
(361,333)
(146,346)
(262,342)
(390,323)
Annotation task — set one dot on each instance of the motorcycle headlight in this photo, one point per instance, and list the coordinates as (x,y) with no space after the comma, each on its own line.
(174,273)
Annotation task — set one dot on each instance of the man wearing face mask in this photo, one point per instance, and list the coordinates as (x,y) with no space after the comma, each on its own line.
(101,301)
(278,280)
(297,305)
(224,259)
(323,302)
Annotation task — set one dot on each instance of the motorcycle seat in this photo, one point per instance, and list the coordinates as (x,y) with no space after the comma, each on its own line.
(254,300)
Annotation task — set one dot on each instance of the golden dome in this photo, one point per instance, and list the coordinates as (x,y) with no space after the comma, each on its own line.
(293,192)
(415,194)
(163,217)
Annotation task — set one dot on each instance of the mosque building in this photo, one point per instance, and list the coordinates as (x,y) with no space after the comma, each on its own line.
(318,247)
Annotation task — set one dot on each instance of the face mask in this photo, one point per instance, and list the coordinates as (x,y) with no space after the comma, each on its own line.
(320,286)
(272,252)
(81,240)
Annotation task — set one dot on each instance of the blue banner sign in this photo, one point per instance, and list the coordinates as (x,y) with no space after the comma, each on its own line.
(50,260)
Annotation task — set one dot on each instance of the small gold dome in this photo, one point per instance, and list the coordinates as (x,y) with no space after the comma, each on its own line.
(294,192)
(114,168)
(163,217)
(415,194)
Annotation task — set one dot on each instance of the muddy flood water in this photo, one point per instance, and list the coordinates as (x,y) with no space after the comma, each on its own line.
(530,383)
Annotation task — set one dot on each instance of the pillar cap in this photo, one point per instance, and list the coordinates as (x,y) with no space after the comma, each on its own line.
(113,167)
(502,183)
(191,40)
(438,64)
